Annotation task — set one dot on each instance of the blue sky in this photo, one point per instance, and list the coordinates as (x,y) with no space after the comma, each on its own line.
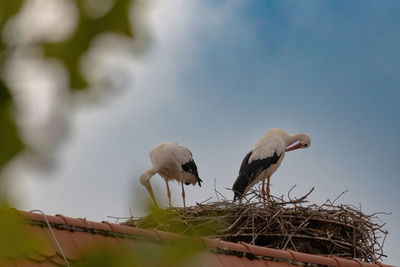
(218,76)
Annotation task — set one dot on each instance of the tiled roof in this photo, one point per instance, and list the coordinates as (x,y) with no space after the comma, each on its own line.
(74,236)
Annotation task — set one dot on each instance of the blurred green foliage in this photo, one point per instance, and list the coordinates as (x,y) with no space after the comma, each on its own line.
(178,252)
(10,141)
(8,8)
(15,240)
(17,243)
(176,221)
(68,51)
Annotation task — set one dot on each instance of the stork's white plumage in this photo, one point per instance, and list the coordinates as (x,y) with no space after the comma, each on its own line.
(265,158)
(172,162)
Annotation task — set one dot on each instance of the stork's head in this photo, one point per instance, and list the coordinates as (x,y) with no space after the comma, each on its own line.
(304,141)
(145,181)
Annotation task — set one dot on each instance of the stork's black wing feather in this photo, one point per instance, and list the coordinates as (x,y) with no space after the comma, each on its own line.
(191,167)
(249,171)
(245,162)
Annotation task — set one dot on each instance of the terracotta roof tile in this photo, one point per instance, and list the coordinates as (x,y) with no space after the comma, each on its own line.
(75,236)
(127,242)
(278,264)
(46,247)
(253,263)
(346,263)
(58,260)
(230,261)
(245,261)
(65,241)
(98,226)
(303,257)
(379,264)
(34,216)
(235,246)
(205,259)
(83,241)
(113,226)
(131,230)
(165,235)
(33,256)
(107,241)
(213,243)
(29,215)
(74,222)
(268,252)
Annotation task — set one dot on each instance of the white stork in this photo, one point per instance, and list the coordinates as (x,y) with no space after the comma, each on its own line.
(264,159)
(172,162)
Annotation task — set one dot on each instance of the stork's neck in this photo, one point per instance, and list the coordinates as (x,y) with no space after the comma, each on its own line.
(146,176)
(290,139)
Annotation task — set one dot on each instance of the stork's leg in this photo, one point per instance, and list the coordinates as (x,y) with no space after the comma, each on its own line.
(183,196)
(263,190)
(168,194)
(268,178)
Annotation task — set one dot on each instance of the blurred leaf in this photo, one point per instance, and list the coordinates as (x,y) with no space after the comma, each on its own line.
(10,141)
(8,8)
(115,20)
(181,251)
(15,240)
(176,221)
(108,257)
(167,253)
(71,50)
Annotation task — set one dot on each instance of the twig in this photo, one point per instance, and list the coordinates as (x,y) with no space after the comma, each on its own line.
(339,196)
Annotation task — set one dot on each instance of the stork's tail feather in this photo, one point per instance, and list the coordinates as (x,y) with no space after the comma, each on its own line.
(239,187)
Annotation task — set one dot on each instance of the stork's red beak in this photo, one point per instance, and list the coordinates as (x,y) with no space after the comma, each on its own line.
(152,195)
(296,146)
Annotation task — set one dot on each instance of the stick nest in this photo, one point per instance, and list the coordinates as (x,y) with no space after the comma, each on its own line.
(327,229)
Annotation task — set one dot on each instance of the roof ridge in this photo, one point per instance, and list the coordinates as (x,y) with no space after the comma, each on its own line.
(74,228)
